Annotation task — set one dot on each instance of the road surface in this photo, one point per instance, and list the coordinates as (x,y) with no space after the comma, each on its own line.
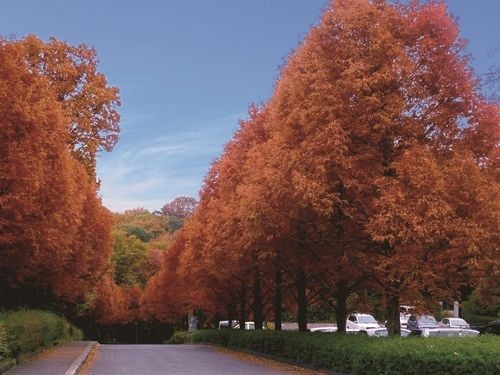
(178,359)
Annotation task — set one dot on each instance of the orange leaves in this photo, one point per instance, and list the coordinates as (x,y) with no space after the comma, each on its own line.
(180,207)
(87,101)
(412,206)
(375,150)
(28,156)
(54,232)
(109,302)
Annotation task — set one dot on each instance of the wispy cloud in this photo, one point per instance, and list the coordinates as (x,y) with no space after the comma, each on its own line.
(149,172)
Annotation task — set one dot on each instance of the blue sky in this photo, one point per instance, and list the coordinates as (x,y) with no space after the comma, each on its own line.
(187,70)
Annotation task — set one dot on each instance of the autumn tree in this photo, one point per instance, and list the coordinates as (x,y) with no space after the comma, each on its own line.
(180,208)
(89,258)
(109,303)
(48,204)
(89,104)
(167,293)
(374,164)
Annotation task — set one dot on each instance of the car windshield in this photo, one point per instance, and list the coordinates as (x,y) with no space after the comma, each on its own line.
(427,319)
(366,319)
(458,322)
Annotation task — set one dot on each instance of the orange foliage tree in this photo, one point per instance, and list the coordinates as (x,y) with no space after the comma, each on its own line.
(375,162)
(167,293)
(87,101)
(55,235)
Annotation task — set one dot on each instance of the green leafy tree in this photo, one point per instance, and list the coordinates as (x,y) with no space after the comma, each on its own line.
(142,223)
(129,259)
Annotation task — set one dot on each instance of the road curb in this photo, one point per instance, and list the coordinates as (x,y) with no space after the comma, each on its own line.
(7,366)
(77,364)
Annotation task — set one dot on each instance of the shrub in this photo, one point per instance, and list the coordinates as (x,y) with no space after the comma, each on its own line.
(479,320)
(4,348)
(356,354)
(180,337)
(28,331)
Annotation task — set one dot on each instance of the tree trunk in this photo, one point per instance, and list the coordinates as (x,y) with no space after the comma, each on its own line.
(232,314)
(257,300)
(231,308)
(341,310)
(301,300)
(243,300)
(277,301)
(393,322)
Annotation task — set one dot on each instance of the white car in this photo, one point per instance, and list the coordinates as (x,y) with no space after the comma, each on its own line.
(383,332)
(361,322)
(454,323)
(406,309)
(416,322)
(404,313)
(248,326)
(324,329)
(224,324)
(445,332)
(403,320)
(329,329)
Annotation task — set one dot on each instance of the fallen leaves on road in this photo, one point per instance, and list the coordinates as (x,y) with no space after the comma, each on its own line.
(85,369)
(271,363)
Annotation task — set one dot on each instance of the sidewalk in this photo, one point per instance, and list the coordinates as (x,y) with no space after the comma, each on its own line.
(64,359)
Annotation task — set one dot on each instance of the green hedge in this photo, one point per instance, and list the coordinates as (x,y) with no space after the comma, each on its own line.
(356,354)
(179,337)
(479,320)
(23,332)
(4,347)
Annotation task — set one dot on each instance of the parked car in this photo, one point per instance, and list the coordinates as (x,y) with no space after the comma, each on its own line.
(403,320)
(454,323)
(406,309)
(224,324)
(330,329)
(404,313)
(327,329)
(490,328)
(248,325)
(416,322)
(444,332)
(383,332)
(361,322)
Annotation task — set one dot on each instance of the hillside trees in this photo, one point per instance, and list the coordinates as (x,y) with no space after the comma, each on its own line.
(143,224)
(178,211)
(130,261)
(181,207)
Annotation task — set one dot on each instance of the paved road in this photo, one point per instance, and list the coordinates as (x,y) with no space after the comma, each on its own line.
(170,359)
(59,360)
